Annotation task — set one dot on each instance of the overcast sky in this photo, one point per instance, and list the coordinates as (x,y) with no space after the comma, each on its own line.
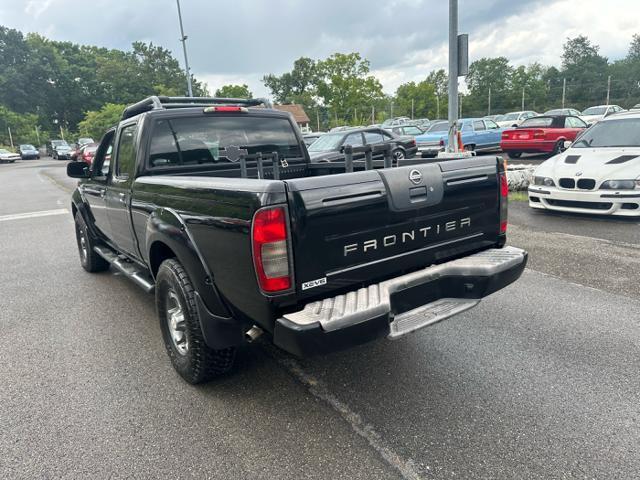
(239,41)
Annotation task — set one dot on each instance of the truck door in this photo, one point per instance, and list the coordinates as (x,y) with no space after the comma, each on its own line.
(118,197)
(95,190)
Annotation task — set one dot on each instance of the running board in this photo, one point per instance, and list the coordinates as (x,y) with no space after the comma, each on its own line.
(429,314)
(129,269)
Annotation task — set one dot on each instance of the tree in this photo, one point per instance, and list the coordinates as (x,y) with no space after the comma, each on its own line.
(344,84)
(489,73)
(23,127)
(234,91)
(423,96)
(585,70)
(291,87)
(96,123)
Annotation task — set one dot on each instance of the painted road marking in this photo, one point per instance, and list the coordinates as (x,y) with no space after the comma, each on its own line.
(44,213)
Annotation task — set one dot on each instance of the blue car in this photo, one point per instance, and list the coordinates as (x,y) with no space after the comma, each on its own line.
(478,134)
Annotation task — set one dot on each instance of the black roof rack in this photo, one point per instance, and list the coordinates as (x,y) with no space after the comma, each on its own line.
(160,103)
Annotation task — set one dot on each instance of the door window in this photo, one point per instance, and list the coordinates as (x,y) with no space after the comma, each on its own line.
(491,125)
(126,161)
(355,140)
(478,125)
(412,131)
(372,138)
(574,122)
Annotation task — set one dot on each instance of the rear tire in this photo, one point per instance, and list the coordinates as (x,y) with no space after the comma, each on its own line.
(398,154)
(514,154)
(180,325)
(469,148)
(89,259)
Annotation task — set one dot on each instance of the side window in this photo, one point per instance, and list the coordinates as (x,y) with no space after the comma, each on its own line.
(574,122)
(355,140)
(478,125)
(491,125)
(386,136)
(126,161)
(102,159)
(371,138)
(412,131)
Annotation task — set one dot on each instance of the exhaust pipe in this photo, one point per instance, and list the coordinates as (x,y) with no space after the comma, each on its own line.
(253,334)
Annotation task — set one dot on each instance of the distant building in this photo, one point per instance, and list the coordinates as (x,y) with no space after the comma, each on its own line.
(300,116)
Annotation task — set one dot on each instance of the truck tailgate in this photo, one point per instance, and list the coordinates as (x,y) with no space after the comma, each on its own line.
(356,228)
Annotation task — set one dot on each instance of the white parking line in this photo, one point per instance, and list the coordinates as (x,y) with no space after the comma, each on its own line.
(44,213)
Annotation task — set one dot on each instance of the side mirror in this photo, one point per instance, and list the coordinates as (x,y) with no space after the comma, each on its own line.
(567,144)
(78,170)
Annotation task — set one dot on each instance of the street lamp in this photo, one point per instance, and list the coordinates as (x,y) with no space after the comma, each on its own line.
(183,39)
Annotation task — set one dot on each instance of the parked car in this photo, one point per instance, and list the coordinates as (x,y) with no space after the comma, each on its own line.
(341,128)
(7,156)
(84,141)
(477,134)
(391,122)
(513,119)
(329,147)
(599,173)
(59,150)
(564,111)
(495,118)
(635,108)
(594,114)
(309,138)
(233,248)
(544,134)
(410,130)
(87,152)
(28,151)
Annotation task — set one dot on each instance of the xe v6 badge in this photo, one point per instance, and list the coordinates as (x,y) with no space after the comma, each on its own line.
(415,176)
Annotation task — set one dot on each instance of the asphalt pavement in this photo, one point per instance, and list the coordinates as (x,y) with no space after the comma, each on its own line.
(540,380)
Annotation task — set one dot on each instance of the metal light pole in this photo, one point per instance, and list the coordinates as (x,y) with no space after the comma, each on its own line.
(608,89)
(183,39)
(453,76)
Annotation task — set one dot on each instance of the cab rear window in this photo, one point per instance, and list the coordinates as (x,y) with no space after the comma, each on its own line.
(192,141)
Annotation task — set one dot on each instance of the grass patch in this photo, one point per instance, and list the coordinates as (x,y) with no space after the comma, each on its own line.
(521,196)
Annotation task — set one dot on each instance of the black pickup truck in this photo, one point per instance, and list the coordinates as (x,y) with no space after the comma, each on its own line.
(215,206)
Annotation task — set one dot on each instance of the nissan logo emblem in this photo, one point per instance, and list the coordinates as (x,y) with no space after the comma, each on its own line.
(415,176)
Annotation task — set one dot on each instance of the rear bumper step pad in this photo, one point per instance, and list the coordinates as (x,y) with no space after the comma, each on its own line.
(484,273)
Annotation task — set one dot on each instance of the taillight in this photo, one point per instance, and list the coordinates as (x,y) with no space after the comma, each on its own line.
(538,134)
(505,135)
(504,198)
(270,249)
(441,142)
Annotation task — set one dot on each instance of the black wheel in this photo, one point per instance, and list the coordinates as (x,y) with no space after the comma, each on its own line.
(90,260)
(398,154)
(514,154)
(469,148)
(558,148)
(180,325)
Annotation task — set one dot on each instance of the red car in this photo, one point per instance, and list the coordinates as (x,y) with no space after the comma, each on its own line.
(87,152)
(544,134)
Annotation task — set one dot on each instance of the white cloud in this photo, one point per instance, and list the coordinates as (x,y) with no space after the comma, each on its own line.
(239,41)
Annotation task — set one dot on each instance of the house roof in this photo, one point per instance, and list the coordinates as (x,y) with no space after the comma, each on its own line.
(297,111)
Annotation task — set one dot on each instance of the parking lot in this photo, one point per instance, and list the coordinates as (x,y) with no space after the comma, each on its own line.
(539,381)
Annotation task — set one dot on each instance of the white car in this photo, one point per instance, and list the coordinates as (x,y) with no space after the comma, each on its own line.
(7,156)
(514,119)
(599,173)
(594,114)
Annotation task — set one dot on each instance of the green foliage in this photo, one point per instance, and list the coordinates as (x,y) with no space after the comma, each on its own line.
(234,91)
(96,123)
(60,81)
(23,127)
(423,96)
